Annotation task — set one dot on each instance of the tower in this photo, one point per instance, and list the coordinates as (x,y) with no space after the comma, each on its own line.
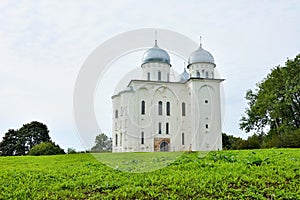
(156,64)
(205,101)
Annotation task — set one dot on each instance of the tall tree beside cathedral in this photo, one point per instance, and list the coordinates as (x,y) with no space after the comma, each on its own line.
(102,143)
(19,142)
(274,106)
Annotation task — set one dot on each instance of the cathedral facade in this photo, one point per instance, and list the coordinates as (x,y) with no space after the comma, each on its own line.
(156,113)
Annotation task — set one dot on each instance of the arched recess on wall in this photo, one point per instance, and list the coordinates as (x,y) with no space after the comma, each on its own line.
(141,98)
(206,98)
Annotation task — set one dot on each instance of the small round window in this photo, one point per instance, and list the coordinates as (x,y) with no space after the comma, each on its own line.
(206,101)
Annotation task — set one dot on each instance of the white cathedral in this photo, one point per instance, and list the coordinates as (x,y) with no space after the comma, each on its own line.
(155,113)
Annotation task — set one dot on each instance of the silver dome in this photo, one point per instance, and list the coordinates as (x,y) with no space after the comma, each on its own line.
(184,76)
(201,55)
(156,54)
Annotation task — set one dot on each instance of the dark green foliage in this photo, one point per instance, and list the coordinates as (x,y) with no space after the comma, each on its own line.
(285,140)
(274,107)
(253,142)
(71,151)
(103,143)
(9,144)
(46,148)
(19,142)
(230,142)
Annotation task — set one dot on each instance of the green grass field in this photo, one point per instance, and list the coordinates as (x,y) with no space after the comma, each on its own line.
(251,174)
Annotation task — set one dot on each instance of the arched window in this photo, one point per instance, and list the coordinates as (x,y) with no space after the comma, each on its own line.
(143,109)
(167,128)
(160,108)
(198,74)
(168,109)
(159,75)
(159,128)
(183,109)
(148,76)
(142,138)
(116,139)
(212,75)
(182,138)
(116,114)
(206,74)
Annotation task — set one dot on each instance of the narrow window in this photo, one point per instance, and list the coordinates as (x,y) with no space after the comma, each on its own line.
(121,139)
(168,108)
(148,76)
(159,75)
(159,128)
(206,74)
(183,109)
(143,108)
(116,139)
(198,74)
(160,108)
(212,75)
(116,114)
(167,128)
(142,138)
(182,138)
(168,77)
(206,125)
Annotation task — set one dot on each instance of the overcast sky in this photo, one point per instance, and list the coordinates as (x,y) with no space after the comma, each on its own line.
(43,45)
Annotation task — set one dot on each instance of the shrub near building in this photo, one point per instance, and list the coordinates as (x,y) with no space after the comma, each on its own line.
(46,148)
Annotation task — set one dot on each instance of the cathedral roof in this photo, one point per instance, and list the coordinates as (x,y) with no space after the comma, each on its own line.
(201,55)
(156,54)
(184,76)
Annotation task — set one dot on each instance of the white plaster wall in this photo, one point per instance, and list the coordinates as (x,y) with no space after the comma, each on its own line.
(202,68)
(130,122)
(153,69)
(206,138)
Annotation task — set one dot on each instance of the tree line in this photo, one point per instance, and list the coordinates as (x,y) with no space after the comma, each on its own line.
(273,112)
(31,139)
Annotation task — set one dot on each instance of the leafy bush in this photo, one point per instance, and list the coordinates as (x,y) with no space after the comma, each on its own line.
(46,148)
(71,151)
(253,142)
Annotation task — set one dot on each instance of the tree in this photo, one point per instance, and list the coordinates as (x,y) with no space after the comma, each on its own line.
(103,143)
(274,106)
(20,141)
(46,148)
(71,150)
(253,142)
(230,142)
(8,146)
(32,134)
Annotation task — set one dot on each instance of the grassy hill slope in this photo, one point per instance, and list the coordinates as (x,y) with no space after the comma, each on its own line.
(259,174)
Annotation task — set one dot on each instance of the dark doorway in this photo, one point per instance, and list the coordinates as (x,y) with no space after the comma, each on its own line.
(164,146)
